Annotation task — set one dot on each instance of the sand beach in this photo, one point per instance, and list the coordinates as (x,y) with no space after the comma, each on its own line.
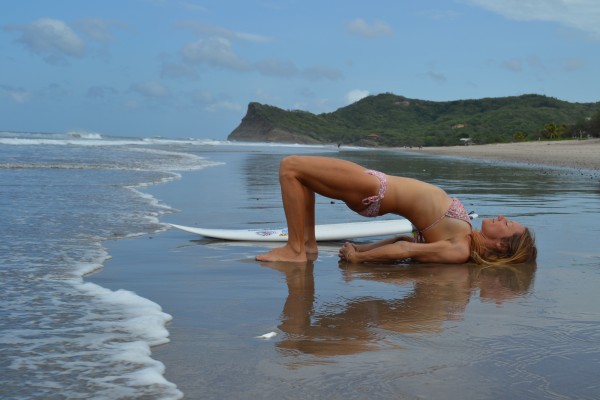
(579,154)
(364,331)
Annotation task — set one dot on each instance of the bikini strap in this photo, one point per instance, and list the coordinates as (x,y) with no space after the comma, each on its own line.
(433,224)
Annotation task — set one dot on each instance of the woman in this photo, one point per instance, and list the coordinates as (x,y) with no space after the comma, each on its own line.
(444,229)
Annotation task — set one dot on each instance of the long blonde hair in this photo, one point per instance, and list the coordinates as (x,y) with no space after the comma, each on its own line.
(519,249)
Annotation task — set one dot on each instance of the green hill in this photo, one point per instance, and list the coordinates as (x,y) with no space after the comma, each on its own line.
(391,120)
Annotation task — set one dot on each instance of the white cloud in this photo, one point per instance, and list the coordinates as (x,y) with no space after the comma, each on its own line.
(132,105)
(355,95)
(579,14)
(251,37)
(513,64)
(437,76)
(151,89)
(219,52)
(99,29)
(361,28)
(215,51)
(214,104)
(51,38)
(531,62)
(207,30)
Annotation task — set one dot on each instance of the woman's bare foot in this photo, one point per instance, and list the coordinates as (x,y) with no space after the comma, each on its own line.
(285,253)
(312,248)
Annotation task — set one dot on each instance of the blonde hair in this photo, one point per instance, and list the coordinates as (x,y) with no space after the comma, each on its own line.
(519,249)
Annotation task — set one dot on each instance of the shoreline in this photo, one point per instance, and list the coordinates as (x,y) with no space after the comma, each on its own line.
(577,154)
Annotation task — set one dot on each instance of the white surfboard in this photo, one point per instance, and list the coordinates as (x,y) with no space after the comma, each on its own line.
(350,230)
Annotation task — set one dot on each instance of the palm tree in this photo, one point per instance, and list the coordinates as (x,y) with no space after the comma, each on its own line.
(552,131)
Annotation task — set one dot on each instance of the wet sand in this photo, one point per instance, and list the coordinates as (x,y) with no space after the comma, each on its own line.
(369,331)
(579,154)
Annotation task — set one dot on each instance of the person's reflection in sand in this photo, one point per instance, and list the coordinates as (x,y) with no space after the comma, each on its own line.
(500,284)
(438,293)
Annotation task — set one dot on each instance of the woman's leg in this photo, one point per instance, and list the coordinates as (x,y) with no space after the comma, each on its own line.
(310,242)
(302,176)
(296,201)
(331,177)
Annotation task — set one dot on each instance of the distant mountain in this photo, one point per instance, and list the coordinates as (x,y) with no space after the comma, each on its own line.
(391,120)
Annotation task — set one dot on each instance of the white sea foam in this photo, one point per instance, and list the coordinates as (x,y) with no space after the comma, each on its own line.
(136,324)
(104,341)
(144,319)
(98,258)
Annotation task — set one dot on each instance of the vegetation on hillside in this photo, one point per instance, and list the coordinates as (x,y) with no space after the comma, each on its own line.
(588,127)
(392,120)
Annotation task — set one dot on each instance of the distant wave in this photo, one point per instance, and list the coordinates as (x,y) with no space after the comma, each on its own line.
(101,141)
(84,138)
(84,135)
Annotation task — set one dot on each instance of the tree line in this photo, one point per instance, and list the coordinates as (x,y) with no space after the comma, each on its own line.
(588,127)
(390,120)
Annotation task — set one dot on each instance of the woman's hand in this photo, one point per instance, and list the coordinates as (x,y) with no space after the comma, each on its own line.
(348,252)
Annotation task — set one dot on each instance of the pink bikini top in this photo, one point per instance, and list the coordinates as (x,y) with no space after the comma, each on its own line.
(456,211)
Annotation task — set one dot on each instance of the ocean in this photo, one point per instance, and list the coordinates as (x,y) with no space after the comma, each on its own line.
(84,316)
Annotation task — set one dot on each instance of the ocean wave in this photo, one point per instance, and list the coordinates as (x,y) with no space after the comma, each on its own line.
(84,138)
(84,135)
(62,334)
(135,159)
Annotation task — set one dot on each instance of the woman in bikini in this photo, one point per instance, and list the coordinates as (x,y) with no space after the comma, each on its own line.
(444,229)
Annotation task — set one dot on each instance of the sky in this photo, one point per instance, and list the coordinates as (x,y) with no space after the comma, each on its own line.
(186,68)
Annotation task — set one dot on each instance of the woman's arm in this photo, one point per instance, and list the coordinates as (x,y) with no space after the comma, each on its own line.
(443,252)
(374,245)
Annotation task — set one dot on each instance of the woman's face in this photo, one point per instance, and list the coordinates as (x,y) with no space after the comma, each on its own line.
(500,227)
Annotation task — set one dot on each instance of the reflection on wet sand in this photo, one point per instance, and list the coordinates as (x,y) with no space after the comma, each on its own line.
(439,293)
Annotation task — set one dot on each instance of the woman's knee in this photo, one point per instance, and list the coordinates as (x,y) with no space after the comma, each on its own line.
(291,160)
(290,164)
(288,167)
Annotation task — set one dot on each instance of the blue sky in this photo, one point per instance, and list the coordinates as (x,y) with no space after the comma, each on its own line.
(184,68)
